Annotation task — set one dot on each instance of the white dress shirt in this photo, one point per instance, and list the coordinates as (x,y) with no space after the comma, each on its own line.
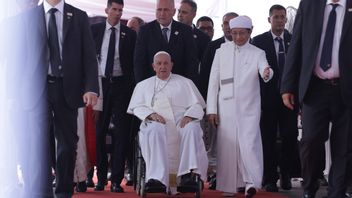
(333,72)
(276,44)
(168,31)
(117,71)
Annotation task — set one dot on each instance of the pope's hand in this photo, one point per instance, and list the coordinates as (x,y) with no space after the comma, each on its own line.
(157,118)
(185,120)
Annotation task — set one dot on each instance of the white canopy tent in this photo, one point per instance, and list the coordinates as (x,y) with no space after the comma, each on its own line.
(258,10)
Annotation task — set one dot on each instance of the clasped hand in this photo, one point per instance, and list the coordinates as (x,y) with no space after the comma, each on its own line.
(158,118)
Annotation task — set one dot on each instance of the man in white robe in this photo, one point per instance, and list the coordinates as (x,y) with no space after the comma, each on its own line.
(170,137)
(233,106)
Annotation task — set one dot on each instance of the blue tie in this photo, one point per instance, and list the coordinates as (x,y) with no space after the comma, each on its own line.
(55,59)
(111,54)
(325,59)
(164,31)
(281,58)
(281,55)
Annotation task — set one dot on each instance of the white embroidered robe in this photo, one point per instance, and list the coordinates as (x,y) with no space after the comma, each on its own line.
(234,94)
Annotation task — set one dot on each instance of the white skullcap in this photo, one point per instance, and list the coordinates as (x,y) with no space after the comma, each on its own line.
(241,22)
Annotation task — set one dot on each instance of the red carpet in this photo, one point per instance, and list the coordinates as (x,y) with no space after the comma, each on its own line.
(130,193)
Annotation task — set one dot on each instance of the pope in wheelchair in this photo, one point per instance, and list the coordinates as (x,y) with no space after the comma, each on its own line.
(171,139)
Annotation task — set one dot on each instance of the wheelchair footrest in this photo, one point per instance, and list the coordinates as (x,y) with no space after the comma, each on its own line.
(153,189)
(188,188)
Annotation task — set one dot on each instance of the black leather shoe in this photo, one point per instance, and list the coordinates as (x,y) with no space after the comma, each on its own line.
(99,187)
(115,187)
(129,181)
(188,179)
(212,184)
(211,176)
(307,194)
(271,187)
(154,185)
(81,187)
(251,192)
(90,183)
(285,183)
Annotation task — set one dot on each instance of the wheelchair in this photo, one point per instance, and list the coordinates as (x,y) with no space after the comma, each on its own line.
(139,172)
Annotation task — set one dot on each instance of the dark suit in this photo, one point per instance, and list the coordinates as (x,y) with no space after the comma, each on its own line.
(276,117)
(206,63)
(321,101)
(181,47)
(116,96)
(202,40)
(56,100)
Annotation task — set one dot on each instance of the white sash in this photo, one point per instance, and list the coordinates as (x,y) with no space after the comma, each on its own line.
(226,67)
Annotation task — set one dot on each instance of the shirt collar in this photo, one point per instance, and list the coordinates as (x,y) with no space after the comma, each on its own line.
(274,36)
(59,6)
(108,26)
(340,2)
(169,26)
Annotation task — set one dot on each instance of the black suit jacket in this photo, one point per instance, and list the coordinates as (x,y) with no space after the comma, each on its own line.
(269,91)
(206,63)
(202,40)
(181,47)
(78,57)
(301,56)
(126,48)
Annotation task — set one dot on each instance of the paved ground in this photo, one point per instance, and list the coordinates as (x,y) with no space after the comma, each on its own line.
(296,191)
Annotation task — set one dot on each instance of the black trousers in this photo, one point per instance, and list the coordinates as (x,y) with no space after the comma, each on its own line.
(278,121)
(117,94)
(63,118)
(323,104)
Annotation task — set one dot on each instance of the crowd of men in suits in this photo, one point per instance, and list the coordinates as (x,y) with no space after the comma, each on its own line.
(70,64)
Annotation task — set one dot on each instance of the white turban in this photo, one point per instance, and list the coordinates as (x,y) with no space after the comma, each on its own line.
(241,22)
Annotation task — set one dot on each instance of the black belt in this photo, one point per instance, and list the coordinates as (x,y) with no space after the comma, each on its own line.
(331,82)
(113,79)
(53,79)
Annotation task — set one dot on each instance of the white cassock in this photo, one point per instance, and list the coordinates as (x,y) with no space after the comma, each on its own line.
(168,149)
(234,94)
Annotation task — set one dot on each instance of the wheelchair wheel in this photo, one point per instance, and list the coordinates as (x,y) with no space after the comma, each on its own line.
(142,189)
(140,171)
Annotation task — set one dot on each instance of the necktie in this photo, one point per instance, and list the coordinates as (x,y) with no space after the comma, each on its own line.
(55,59)
(281,54)
(164,31)
(325,59)
(280,59)
(111,54)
